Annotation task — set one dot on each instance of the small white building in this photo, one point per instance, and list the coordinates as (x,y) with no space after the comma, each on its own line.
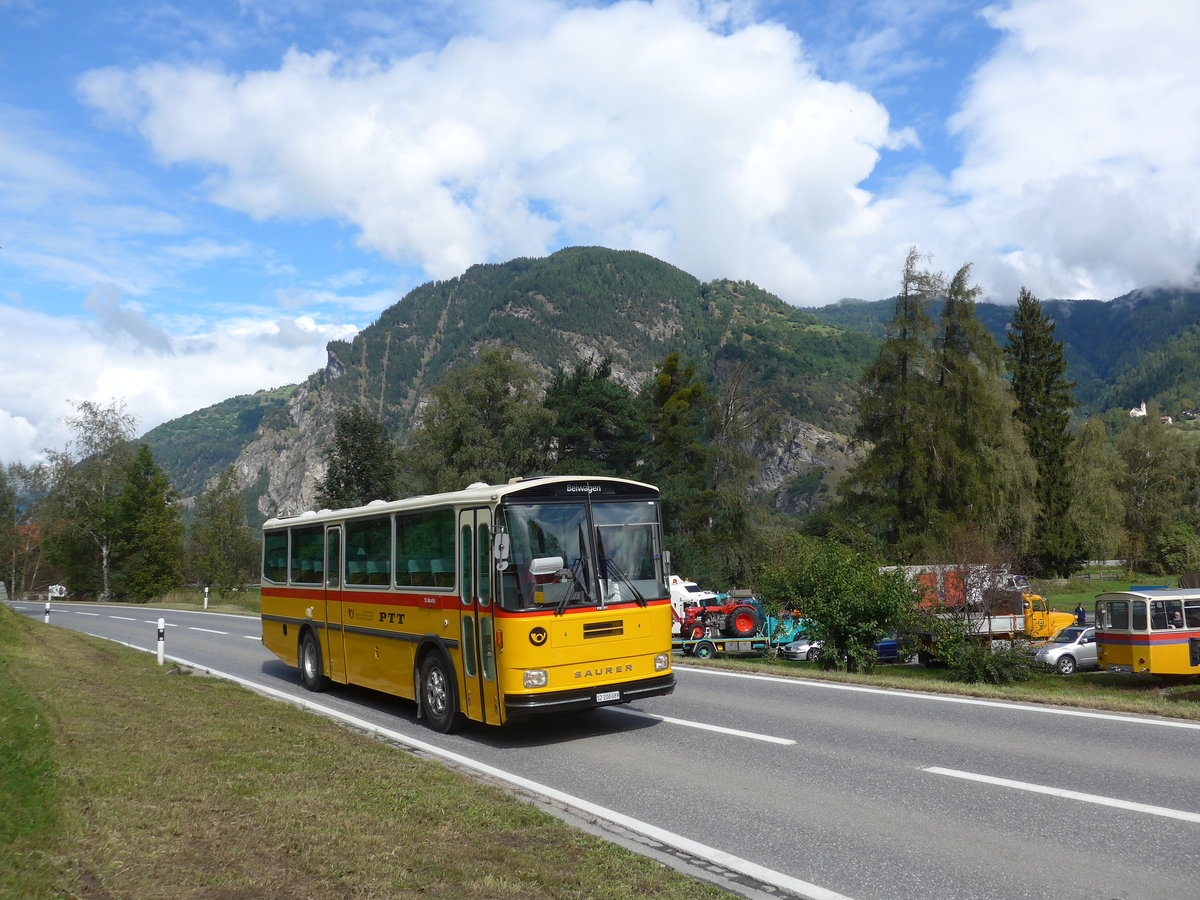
(1138,411)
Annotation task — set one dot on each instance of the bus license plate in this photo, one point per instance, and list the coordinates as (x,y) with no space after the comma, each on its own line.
(608,696)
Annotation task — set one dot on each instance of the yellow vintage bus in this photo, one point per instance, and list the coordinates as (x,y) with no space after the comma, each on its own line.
(490,604)
(1149,631)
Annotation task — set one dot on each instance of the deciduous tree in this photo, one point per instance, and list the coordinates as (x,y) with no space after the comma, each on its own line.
(849,603)
(87,478)
(222,550)
(485,422)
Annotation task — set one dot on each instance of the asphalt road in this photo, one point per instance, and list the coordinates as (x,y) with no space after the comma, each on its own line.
(811,788)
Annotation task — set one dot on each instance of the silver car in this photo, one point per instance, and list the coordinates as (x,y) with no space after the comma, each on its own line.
(1073,648)
(801,648)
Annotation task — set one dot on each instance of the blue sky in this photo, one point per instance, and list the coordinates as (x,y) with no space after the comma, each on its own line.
(196,197)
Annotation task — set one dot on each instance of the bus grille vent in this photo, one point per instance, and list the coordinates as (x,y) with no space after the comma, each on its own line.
(603,629)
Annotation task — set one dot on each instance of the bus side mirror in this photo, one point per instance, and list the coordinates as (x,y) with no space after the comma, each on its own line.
(666,558)
(500,549)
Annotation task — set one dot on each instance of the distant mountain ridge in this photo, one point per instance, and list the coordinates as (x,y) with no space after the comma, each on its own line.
(1139,346)
(581,303)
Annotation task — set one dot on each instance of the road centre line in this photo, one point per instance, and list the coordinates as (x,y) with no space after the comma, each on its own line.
(703,726)
(206,630)
(1164,811)
(124,618)
(905,694)
(79,613)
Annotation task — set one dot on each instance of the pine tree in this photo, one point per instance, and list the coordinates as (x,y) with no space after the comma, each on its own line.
(980,463)
(361,462)
(677,458)
(148,539)
(598,427)
(1044,404)
(890,489)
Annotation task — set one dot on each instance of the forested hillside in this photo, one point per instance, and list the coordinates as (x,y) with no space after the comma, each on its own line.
(195,447)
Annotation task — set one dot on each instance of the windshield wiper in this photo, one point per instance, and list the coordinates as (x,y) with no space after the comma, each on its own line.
(609,567)
(577,588)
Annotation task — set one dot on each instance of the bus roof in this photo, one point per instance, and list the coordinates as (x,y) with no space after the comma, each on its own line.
(476,493)
(1153,594)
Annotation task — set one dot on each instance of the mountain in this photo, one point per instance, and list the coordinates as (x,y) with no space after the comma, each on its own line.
(1140,346)
(580,303)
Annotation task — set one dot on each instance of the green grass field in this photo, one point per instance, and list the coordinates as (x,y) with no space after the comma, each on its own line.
(120,779)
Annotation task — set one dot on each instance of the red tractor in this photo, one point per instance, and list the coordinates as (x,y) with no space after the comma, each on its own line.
(700,614)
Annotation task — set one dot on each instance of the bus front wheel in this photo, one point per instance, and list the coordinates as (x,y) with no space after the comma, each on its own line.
(439,701)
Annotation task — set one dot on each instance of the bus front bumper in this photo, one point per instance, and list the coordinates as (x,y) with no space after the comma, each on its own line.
(522,705)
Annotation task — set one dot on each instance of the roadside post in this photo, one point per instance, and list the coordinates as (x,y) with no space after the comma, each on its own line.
(206,598)
(56,591)
(162,639)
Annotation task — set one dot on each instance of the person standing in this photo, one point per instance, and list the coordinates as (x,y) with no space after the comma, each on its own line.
(1080,614)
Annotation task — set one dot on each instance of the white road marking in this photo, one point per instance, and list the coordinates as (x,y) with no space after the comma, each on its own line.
(124,618)
(1164,811)
(206,630)
(903,694)
(252,637)
(703,726)
(78,613)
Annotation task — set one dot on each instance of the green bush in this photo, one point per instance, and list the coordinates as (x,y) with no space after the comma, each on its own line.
(972,662)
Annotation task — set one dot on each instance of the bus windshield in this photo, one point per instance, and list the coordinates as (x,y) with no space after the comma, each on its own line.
(581,554)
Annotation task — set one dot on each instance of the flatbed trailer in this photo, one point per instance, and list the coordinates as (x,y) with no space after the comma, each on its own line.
(708,647)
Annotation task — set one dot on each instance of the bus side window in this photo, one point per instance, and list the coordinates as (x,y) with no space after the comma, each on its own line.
(1139,616)
(1116,614)
(1191,613)
(1158,615)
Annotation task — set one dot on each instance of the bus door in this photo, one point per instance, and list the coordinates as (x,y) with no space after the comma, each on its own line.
(481,696)
(334,649)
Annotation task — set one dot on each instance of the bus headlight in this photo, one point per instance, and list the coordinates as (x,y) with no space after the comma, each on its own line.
(662,662)
(536,678)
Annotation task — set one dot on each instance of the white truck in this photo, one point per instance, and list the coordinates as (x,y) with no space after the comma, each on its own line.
(686,593)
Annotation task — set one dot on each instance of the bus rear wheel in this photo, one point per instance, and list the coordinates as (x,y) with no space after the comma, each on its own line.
(439,700)
(312,670)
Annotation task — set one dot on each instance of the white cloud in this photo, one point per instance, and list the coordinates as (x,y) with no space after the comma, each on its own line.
(1080,147)
(62,360)
(637,125)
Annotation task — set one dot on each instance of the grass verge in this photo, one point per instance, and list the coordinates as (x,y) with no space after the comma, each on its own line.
(121,779)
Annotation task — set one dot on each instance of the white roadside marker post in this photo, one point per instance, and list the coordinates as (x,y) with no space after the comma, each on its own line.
(47,611)
(206,598)
(162,639)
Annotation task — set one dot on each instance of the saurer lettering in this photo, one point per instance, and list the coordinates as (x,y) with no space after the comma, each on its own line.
(607,670)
